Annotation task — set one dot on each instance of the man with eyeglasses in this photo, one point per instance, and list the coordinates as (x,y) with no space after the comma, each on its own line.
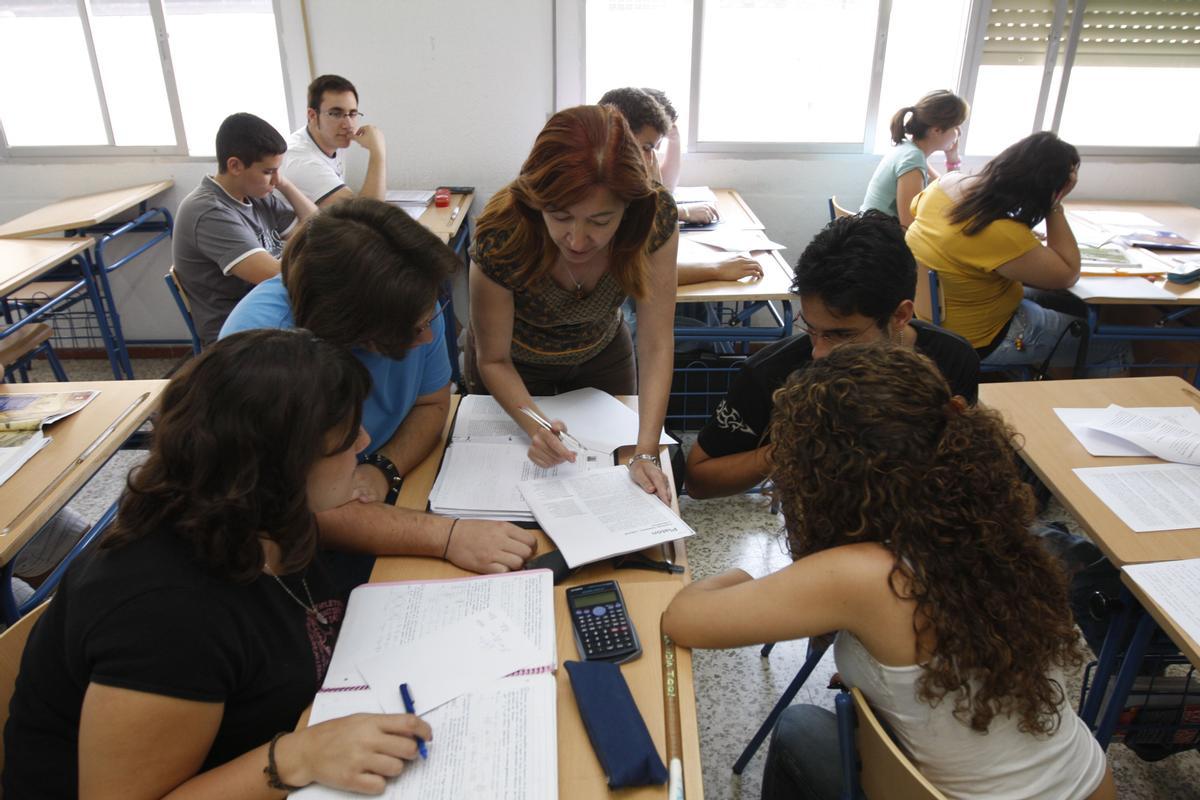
(365,275)
(856,282)
(314,158)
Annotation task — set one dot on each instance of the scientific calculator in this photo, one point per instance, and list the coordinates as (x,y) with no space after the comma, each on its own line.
(603,630)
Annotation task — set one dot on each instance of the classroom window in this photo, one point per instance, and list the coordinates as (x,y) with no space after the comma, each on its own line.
(134,76)
(827,75)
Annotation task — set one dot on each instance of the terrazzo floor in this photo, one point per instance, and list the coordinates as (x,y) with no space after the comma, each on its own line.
(735,689)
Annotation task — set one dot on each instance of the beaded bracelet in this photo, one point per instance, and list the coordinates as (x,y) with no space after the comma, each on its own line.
(272,771)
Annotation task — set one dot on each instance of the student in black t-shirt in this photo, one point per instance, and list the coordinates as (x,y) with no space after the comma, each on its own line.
(856,281)
(180,653)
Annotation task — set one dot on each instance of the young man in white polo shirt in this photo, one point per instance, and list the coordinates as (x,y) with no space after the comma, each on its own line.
(314,160)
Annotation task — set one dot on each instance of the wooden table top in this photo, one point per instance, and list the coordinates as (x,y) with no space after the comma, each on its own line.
(1183,219)
(1052,451)
(25,260)
(84,211)
(70,437)
(736,212)
(1186,644)
(647,594)
(775,284)
(439,220)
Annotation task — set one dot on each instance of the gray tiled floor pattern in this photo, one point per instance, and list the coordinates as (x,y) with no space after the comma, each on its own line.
(735,689)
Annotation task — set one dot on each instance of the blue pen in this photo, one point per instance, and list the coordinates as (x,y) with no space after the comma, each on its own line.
(411,709)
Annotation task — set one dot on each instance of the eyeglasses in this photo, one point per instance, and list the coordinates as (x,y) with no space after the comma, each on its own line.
(834,337)
(339,115)
(432,317)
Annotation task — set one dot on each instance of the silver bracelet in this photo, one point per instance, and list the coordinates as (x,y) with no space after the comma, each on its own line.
(645,457)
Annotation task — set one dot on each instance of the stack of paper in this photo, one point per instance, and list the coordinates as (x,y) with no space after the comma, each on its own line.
(22,417)
(477,655)
(602,514)
(1120,288)
(487,455)
(409,197)
(1169,432)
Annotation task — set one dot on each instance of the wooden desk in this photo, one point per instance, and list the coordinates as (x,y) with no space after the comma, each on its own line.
(775,284)
(439,220)
(736,212)
(646,593)
(85,211)
(1053,452)
(70,437)
(26,260)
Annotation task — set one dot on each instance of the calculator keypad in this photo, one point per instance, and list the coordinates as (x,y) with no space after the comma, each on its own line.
(603,629)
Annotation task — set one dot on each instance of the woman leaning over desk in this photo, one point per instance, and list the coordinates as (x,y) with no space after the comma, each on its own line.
(556,253)
(177,657)
(909,526)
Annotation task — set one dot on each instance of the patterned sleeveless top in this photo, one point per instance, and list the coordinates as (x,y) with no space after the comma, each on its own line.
(551,325)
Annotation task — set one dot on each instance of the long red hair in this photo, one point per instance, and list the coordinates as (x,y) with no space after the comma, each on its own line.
(578,150)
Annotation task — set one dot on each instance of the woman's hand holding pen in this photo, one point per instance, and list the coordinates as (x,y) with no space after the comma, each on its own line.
(547,449)
(356,753)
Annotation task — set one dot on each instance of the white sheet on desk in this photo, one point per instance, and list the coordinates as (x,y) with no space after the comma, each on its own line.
(1174,586)
(1148,497)
(736,241)
(692,252)
(1161,438)
(694,194)
(406,197)
(1116,219)
(1080,420)
(463,657)
(1133,288)
(12,458)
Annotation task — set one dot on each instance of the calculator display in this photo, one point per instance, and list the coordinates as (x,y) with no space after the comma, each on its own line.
(594,599)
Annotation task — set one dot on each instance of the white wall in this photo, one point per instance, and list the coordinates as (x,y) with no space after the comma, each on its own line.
(460,90)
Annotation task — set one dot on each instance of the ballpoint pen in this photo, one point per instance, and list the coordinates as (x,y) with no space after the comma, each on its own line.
(454,213)
(406,698)
(545,423)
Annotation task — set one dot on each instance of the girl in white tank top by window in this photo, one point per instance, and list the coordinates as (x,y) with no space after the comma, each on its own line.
(909,526)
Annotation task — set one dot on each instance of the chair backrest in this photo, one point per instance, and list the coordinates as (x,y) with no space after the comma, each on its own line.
(929,300)
(185,307)
(886,773)
(836,210)
(12,645)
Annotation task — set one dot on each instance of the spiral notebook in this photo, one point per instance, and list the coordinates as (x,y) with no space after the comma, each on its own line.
(499,738)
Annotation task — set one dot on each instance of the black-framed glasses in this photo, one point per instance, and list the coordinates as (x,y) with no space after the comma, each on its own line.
(432,317)
(834,337)
(339,115)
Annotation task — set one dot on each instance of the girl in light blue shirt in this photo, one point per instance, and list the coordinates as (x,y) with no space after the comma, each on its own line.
(933,124)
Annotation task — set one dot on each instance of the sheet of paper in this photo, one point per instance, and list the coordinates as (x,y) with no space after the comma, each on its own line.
(419,197)
(1174,586)
(383,616)
(456,660)
(1117,219)
(16,448)
(694,194)
(693,253)
(601,514)
(413,211)
(1160,437)
(479,479)
(1079,422)
(1150,497)
(499,742)
(736,240)
(601,422)
(1127,288)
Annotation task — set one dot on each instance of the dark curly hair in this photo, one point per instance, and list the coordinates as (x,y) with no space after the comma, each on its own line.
(639,109)
(870,447)
(239,430)
(1020,184)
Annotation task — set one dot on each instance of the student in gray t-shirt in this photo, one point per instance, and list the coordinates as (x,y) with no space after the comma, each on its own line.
(229,231)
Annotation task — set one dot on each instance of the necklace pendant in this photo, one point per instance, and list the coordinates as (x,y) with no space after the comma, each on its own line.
(578,292)
(321,618)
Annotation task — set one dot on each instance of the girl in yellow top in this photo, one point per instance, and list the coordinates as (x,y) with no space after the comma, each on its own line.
(976,232)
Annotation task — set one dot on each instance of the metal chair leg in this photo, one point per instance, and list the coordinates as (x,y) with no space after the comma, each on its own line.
(814,657)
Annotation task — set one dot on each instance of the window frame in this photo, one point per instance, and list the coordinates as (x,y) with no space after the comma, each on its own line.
(282,10)
(570,41)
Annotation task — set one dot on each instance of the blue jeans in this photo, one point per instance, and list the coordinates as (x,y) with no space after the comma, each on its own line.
(1036,329)
(803,761)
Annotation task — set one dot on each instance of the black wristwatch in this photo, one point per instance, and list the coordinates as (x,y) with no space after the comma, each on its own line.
(394,478)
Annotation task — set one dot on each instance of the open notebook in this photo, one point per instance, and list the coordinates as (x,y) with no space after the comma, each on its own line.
(487,455)
(498,740)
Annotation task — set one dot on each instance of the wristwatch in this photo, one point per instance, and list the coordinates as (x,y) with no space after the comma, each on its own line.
(394,478)
(645,457)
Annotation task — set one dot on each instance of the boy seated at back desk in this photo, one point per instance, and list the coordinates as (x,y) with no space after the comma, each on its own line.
(856,281)
(229,230)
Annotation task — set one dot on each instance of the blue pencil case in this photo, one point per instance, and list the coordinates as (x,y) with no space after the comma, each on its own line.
(614,725)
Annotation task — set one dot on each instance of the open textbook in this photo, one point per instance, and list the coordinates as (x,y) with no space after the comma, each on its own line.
(487,455)
(478,654)
(601,514)
(22,417)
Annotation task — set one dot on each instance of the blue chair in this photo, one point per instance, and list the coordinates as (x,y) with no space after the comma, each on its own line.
(873,765)
(21,346)
(935,302)
(185,310)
